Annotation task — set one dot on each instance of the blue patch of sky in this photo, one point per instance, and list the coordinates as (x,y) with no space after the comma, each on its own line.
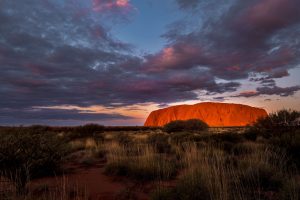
(291,80)
(149,22)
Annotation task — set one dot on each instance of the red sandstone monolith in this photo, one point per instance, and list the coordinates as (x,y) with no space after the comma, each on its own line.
(214,114)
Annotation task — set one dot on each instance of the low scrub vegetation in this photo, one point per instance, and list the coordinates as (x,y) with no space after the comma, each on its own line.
(26,155)
(139,162)
(211,173)
(281,130)
(188,125)
(190,163)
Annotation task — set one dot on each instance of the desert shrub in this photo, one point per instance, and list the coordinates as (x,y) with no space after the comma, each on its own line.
(226,146)
(225,141)
(251,171)
(140,163)
(188,125)
(290,143)
(262,172)
(180,137)
(88,158)
(281,129)
(142,169)
(250,134)
(206,173)
(242,149)
(278,123)
(38,129)
(123,139)
(174,126)
(195,125)
(99,153)
(262,178)
(131,128)
(158,169)
(185,137)
(290,189)
(88,130)
(227,137)
(160,142)
(25,156)
(77,145)
(193,186)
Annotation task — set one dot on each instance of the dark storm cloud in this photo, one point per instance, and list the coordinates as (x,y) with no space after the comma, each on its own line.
(59,52)
(273,90)
(53,117)
(242,37)
(58,114)
(287,91)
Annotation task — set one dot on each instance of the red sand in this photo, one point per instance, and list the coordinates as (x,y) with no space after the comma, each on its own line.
(97,185)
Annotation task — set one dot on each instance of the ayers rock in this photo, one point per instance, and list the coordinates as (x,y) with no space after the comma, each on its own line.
(214,114)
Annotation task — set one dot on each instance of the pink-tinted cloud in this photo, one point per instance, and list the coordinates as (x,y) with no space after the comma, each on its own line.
(255,36)
(249,93)
(173,57)
(262,18)
(108,5)
(234,68)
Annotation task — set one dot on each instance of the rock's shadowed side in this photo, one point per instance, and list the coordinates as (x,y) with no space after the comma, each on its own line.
(214,114)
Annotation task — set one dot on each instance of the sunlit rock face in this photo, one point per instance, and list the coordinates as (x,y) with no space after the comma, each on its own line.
(214,114)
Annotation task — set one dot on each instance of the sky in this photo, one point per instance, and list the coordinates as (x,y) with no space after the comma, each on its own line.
(112,62)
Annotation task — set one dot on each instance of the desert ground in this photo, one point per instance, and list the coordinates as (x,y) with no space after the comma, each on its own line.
(158,163)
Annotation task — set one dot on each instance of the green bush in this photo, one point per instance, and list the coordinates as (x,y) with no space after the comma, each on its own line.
(25,155)
(188,125)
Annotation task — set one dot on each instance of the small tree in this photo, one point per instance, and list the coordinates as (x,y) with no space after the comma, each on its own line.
(278,122)
(188,125)
(283,131)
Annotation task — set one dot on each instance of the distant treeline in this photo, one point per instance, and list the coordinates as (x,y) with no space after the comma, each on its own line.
(87,127)
(94,128)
